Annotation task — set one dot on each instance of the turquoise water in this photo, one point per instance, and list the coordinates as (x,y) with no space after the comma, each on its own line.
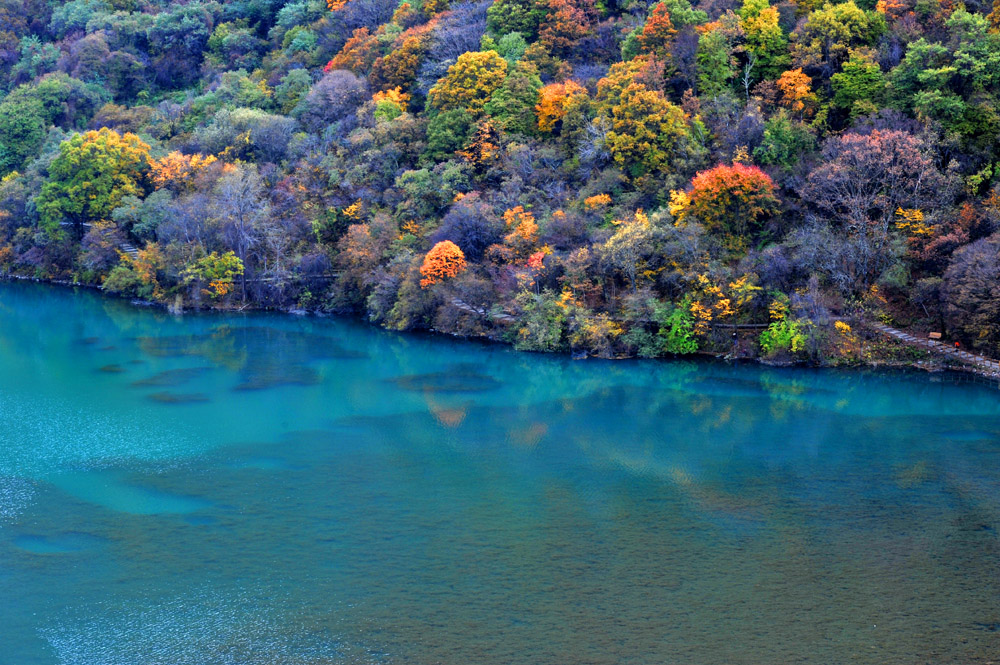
(300,490)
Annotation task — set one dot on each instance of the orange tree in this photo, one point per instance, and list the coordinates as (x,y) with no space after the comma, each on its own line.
(658,33)
(554,100)
(444,261)
(733,199)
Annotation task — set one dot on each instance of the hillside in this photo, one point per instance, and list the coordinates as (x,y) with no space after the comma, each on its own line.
(563,174)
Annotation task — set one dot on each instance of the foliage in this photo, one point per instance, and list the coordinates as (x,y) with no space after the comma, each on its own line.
(213,275)
(470,82)
(734,199)
(444,261)
(91,175)
(677,329)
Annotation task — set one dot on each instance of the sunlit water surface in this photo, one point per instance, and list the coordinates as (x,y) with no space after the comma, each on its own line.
(279,490)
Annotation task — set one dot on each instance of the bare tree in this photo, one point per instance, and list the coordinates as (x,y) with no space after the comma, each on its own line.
(242,208)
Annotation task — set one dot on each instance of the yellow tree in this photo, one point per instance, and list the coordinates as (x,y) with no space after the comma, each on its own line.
(522,230)
(647,131)
(90,176)
(177,170)
(470,82)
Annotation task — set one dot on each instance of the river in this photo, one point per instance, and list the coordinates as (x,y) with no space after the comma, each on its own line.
(271,489)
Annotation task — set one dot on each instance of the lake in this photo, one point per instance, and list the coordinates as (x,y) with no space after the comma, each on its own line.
(271,489)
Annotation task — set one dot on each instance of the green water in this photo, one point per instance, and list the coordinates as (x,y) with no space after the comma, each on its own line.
(298,490)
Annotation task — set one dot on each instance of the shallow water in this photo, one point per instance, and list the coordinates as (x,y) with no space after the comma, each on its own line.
(283,490)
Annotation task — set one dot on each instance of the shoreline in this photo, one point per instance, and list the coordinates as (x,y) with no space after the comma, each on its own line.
(931,365)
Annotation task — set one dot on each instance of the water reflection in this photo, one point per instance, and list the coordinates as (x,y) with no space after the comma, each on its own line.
(327,493)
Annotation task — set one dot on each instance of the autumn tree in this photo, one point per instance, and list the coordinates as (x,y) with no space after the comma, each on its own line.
(733,199)
(398,69)
(469,83)
(656,37)
(358,53)
(213,275)
(444,261)
(796,92)
(764,37)
(648,133)
(828,34)
(522,230)
(177,171)
(565,23)
(90,176)
(554,100)
(625,251)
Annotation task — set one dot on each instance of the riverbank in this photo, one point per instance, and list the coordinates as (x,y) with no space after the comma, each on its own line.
(871,345)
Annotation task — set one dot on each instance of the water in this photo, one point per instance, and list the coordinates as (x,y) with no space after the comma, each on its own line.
(299,491)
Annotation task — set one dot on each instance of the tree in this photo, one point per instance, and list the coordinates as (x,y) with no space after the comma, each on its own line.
(90,176)
(565,23)
(470,82)
(512,106)
(241,206)
(733,199)
(22,130)
(657,34)
(358,53)
(177,171)
(444,261)
(715,63)
(398,69)
(859,86)
(554,100)
(827,35)
(216,271)
(784,142)
(648,133)
(796,92)
(627,248)
(447,132)
(863,181)
(972,292)
(522,16)
(764,37)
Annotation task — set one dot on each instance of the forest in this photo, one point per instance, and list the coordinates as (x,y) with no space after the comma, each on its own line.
(620,178)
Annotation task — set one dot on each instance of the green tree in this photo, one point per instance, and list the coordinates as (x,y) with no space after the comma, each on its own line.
(860,86)
(715,63)
(22,131)
(513,104)
(784,142)
(677,332)
(446,133)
